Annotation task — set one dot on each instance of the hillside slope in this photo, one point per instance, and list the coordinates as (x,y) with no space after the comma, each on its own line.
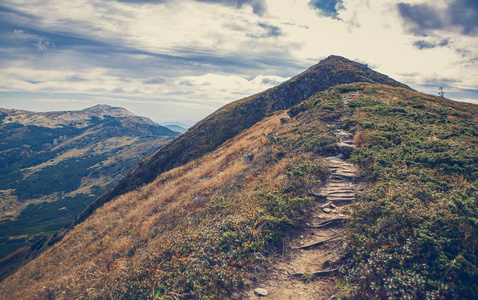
(199,230)
(233,118)
(229,121)
(54,164)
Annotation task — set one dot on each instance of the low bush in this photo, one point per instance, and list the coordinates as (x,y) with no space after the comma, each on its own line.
(414,235)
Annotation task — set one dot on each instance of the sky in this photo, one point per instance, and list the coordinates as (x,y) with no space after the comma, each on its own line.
(180,60)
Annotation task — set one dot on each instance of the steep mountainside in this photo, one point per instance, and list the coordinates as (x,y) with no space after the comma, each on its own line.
(233,118)
(54,164)
(218,226)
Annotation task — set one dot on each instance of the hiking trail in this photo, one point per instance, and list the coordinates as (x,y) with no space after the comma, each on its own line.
(306,268)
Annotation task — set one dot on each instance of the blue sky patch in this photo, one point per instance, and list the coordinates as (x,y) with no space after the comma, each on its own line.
(328,8)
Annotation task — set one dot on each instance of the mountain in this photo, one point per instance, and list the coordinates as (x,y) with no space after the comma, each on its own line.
(54,164)
(176,128)
(363,190)
(222,125)
(229,121)
(237,116)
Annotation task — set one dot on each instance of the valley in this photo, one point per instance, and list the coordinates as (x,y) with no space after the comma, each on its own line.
(54,164)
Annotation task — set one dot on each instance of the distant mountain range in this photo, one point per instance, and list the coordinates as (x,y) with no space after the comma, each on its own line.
(176,126)
(54,164)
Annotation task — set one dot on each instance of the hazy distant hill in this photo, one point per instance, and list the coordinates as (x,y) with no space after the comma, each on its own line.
(176,128)
(54,164)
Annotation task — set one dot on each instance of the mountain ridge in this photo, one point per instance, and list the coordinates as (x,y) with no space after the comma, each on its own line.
(54,164)
(229,121)
(243,113)
(76,118)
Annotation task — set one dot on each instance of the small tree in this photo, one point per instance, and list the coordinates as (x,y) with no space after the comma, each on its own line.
(441,93)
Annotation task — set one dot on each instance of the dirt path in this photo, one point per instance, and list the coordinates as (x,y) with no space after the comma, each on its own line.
(290,275)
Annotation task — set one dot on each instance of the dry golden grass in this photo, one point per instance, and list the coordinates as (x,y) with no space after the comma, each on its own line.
(360,139)
(121,236)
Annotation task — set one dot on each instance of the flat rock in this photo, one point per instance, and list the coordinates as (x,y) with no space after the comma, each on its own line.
(199,198)
(260,292)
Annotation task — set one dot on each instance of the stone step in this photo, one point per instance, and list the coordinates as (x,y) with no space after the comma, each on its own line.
(344,172)
(337,181)
(347,176)
(344,168)
(341,198)
(339,186)
(334,122)
(338,164)
(344,177)
(340,202)
(340,192)
(348,196)
(334,159)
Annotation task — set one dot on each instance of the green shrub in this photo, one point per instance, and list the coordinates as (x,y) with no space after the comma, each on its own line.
(414,235)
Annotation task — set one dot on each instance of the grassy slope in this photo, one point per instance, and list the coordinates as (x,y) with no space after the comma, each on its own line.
(413,234)
(157,242)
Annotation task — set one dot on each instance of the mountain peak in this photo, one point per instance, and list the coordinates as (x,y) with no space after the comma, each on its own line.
(105,109)
(99,106)
(335,70)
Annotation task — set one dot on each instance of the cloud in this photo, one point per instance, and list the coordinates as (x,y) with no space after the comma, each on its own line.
(328,8)
(268,31)
(423,44)
(259,7)
(422,17)
(465,14)
(425,18)
(44,45)
(23,36)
